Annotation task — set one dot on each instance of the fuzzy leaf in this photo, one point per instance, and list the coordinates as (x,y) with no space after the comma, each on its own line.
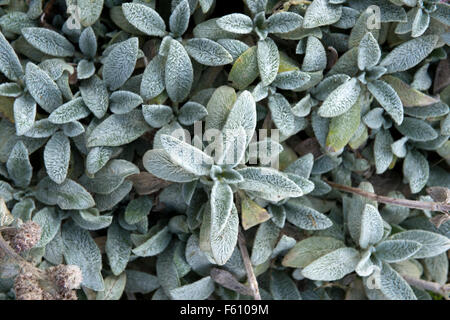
(432,243)
(409,54)
(341,99)
(155,244)
(224,243)
(42,88)
(268,60)
(118,129)
(24,113)
(81,250)
(19,166)
(236,23)
(409,96)
(57,157)
(371,227)
(321,13)
(191,112)
(179,19)
(283,22)
(157,116)
(178,72)
(265,240)
(153,78)
(282,115)
(393,286)
(388,99)
(9,62)
(120,62)
(208,52)
(70,111)
(343,127)
(417,130)
(392,251)
(114,286)
(332,266)
(95,95)
(144,19)
(49,42)
(369,52)
(245,69)
(198,290)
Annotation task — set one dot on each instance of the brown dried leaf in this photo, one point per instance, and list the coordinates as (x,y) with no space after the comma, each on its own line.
(252,214)
(439,194)
(442,77)
(227,280)
(146,183)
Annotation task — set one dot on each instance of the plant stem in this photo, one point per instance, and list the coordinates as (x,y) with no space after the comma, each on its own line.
(422,205)
(248,266)
(428,285)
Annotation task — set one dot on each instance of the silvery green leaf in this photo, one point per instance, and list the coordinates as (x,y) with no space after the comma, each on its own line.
(442,13)
(95,95)
(208,52)
(157,116)
(437,268)
(236,23)
(91,219)
(284,244)
(369,52)
(282,287)
(166,270)
(406,26)
(302,166)
(392,251)
(416,170)
(388,99)
(382,152)
(54,249)
(138,209)
(118,129)
(198,290)
(88,42)
(310,249)
(48,41)
(374,118)
(433,244)
(417,130)
(268,60)
(55,67)
(179,19)
(321,13)
(283,22)
(223,243)
(9,62)
(106,202)
(85,69)
(341,99)
(348,18)
(191,112)
(315,58)
(209,29)
(57,157)
(179,73)
(97,158)
(305,217)
(291,80)
(81,250)
(156,244)
(145,19)
(42,88)
(242,114)
(23,209)
(256,6)
(274,185)
(393,286)
(10,89)
(265,240)
(114,287)
(282,115)
(332,266)
(15,21)
(19,166)
(409,54)
(41,129)
(420,23)
(219,106)
(89,10)
(328,85)
(435,110)
(124,101)
(245,69)
(70,111)
(347,64)
(140,282)
(24,113)
(325,164)
(371,227)
(234,47)
(206,5)
(109,177)
(120,62)
(159,163)
(68,195)
(153,78)
(343,127)
(186,155)
(364,23)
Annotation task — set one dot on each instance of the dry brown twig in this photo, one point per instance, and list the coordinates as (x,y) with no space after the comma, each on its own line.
(442,290)
(248,266)
(422,205)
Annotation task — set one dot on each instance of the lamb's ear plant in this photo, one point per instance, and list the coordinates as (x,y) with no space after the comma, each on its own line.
(184,150)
